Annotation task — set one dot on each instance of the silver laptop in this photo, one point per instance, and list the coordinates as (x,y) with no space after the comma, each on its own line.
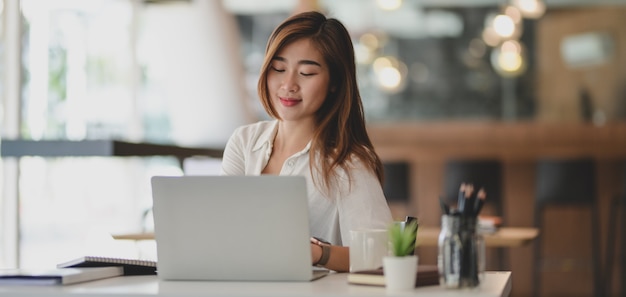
(232,228)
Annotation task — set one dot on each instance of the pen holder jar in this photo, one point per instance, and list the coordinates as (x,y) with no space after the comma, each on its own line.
(461,257)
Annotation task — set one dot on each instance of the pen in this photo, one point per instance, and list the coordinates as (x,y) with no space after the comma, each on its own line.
(470,196)
(444,207)
(478,205)
(460,206)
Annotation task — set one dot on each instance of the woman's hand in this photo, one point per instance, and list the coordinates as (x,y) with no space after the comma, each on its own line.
(316,253)
(339,256)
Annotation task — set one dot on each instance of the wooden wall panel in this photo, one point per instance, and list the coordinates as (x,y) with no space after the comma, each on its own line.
(559,86)
(426,147)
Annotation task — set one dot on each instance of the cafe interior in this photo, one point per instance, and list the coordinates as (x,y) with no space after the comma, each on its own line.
(527,97)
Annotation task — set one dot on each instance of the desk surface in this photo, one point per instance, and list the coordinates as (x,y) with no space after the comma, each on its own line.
(504,237)
(495,284)
(428,236)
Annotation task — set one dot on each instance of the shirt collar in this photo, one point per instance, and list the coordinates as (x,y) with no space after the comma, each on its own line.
(266,139)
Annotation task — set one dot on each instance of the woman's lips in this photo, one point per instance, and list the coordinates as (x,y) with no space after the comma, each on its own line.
(289,101)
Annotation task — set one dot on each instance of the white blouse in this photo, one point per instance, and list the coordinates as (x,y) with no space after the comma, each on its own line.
(359,204)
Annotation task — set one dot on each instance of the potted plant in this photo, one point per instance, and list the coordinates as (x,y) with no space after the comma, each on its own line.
(400,267)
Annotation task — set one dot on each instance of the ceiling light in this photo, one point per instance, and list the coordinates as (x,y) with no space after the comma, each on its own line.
(371,41)
(532,9)
(504,25)
(490,37)
(389,4)
(514,13)
(509,59)
(390,74)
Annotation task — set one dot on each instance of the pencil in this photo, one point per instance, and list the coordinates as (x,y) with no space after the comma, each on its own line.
(478,204)
(460,205)
(470,196)
(445,209)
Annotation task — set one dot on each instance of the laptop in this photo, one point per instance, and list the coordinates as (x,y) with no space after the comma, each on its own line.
(232,228)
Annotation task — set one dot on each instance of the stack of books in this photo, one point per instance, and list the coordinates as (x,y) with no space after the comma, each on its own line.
(82,269)
(427,275)
(489,224)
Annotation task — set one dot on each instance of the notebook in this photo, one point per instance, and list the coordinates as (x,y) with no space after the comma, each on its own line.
(130,266)
(58,276)
(232,228)
(427,275)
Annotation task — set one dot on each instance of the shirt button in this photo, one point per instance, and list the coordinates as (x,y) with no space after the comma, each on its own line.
(290,163)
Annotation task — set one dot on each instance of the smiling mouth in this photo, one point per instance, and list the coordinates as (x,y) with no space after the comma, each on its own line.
(289,101)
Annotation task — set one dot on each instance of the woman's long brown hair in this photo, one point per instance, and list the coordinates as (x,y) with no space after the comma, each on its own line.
(340,132)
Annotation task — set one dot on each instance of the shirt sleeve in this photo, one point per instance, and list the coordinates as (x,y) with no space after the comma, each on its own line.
(233,161)
(362,203)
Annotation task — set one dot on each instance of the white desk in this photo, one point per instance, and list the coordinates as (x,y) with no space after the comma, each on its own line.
(496,284)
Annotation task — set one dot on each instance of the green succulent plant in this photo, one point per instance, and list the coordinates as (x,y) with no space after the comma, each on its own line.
(402,239)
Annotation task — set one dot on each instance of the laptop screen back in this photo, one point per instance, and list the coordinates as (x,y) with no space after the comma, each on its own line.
(247,228)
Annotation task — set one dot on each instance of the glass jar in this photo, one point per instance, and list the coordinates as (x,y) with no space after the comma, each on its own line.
(461,257)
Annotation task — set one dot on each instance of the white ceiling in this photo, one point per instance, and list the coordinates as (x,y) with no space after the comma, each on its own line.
(265,6)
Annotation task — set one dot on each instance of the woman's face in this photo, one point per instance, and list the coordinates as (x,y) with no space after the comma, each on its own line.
(298,81)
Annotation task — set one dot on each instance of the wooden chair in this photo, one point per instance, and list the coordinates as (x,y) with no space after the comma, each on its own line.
(617,212)
(567,182)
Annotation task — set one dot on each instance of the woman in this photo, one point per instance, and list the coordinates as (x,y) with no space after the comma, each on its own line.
(308,85)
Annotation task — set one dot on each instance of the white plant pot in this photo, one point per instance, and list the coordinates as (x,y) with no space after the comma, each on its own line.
(400,272)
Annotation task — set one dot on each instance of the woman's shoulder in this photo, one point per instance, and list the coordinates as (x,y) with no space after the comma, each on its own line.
(351,165)
(256,130)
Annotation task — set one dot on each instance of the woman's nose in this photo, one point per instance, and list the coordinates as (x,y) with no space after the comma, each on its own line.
(290,83)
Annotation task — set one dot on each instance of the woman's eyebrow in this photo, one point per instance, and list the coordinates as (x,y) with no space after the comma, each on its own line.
(309,62)
(301,62)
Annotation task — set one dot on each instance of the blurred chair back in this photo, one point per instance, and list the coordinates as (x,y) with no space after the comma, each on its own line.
(567,182)
(617,217)
(486,173)
(396,184)
(570,181)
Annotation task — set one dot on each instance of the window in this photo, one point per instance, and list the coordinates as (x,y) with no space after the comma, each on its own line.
(81,80)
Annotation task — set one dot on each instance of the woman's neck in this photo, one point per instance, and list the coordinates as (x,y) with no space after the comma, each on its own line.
(292,138)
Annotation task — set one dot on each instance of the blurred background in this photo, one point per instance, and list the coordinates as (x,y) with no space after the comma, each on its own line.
(510,80)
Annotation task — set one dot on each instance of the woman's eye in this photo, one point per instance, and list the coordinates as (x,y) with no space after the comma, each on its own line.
(307,74)
(278,70)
